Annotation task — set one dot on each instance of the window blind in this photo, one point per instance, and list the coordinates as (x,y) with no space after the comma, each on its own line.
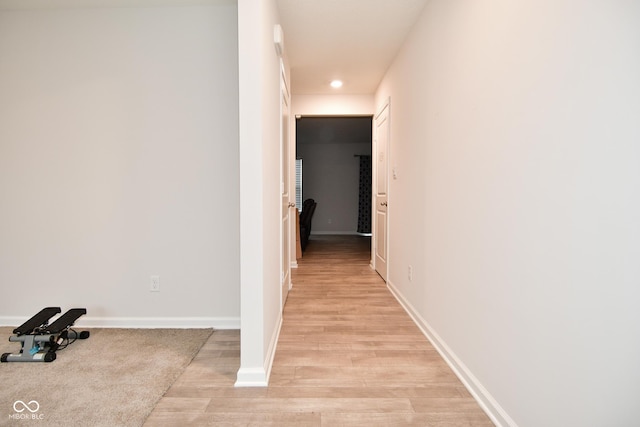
(299,184)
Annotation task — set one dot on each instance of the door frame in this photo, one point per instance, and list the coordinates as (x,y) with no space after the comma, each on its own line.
(286,237)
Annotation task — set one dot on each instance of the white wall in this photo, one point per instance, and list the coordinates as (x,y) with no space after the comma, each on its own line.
(119,160)
(332,105)
(259,71)
(515,133)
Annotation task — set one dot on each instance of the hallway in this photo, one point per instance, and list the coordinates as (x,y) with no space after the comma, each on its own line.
(348,355)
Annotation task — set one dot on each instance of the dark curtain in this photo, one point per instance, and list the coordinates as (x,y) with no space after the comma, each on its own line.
(364,209)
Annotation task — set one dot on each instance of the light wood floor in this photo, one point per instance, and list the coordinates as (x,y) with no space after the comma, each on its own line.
(348,355)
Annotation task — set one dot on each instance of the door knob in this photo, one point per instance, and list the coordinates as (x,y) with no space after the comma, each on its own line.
(383,203)
(292,205)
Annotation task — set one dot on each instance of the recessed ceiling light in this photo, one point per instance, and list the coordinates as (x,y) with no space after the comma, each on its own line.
(336,84)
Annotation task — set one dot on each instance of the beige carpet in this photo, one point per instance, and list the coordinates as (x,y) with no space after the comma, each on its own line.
(112,379)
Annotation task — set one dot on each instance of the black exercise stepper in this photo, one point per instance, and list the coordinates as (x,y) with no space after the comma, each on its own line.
(40,319)
(39,341)
(65,321)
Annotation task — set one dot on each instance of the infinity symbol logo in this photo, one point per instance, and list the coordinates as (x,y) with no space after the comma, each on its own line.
(26,406)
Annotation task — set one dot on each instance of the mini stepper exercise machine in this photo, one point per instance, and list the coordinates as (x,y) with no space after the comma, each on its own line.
(40,340)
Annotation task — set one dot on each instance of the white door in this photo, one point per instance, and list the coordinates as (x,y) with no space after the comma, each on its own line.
(284,187)
(380,242)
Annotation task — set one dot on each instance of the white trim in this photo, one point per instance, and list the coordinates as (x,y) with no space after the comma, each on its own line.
(273,345)
(251,377)
(143,322)
(488,404)
(259,377)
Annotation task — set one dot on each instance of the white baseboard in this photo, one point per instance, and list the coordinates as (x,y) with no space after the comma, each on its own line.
(490,406)
(143,322)
(271,352)
(251,377)
(259,377)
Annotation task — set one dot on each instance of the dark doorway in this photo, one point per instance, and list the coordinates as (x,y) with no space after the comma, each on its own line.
(331,149)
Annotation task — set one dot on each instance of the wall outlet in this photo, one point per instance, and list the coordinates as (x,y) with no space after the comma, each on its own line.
(410,273)
(155,284)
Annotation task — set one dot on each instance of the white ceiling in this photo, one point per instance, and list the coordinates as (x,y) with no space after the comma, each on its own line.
(351,40)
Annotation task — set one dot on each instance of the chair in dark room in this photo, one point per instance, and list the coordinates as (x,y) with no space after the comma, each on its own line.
(308,208)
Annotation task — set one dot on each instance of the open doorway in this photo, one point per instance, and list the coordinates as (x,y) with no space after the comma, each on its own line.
(335,154)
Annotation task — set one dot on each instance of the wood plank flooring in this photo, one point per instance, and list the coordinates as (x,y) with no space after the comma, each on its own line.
(348,355)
